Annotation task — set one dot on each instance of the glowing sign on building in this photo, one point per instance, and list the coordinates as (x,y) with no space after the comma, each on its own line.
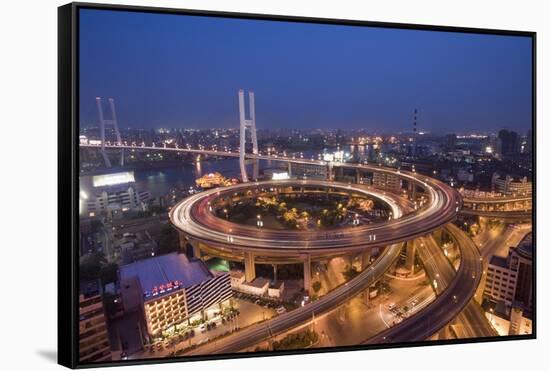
(113,179)
(280,176)
(169,286)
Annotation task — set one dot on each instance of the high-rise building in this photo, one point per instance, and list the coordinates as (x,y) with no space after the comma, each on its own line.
(509,142)
(308,171)
(509,279)
(509,290)
(390,182)
(450,142)
(93,340)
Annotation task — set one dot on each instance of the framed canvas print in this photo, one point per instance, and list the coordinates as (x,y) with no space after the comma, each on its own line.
(238,185)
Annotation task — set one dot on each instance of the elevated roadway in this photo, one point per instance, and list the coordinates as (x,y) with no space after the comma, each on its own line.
(454,295)
(192,217)
(266,330)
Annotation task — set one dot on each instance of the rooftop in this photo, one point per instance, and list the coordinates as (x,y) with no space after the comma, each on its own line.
(525,247)
(499,261)
(164,273)
(90,288)
(276,285)
(259,282)
(236,274)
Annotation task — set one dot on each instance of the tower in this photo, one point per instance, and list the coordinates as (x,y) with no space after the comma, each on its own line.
(249,124)
(414,134)
(114,123)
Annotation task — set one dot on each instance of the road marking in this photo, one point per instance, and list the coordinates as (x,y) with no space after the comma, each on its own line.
(382,318)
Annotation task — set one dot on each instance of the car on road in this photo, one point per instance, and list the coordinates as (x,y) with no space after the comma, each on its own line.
(281,310)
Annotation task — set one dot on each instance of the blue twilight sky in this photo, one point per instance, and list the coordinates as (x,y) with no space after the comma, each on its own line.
(184,71)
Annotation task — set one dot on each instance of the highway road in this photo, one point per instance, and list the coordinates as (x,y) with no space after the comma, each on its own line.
(497,241)
(265,330)
(449,302)
(192,216)
(497,200)
(420,326)
(444,203)
(507,215)
(360,317)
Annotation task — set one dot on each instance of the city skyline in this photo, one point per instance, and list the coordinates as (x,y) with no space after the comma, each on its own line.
(184,72)
(336,186)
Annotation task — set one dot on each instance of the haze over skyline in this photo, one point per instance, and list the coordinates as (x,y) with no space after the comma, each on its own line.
(184,71)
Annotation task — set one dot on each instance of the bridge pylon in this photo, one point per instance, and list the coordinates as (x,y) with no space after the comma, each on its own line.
(113,122)
(250,124)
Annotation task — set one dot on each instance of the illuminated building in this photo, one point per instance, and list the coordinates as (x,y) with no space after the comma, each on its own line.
(390,182)
(521,322)
(276,289)
(258,287)
(309,171)
(510,279)
(212,180)
(113,194)
(113,179)
(511,186)
(170,289)
(93,339)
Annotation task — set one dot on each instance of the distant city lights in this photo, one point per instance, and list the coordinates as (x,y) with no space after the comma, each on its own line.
(113,179)
(280,176)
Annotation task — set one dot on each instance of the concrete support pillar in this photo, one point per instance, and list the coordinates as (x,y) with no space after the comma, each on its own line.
(393,267)
(256,169)
(444,333)
(183,241)
(330,172)
(357,176)
(274,272)
(307,274)
(365,259)
(290,169)
(438,236)
(249,267)
(348,260)
(411,251)
(340,173)
(197,251)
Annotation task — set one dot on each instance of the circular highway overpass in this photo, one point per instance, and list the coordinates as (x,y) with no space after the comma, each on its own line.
(208,234)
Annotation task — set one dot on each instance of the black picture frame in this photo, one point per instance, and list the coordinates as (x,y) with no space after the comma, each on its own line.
(68,173)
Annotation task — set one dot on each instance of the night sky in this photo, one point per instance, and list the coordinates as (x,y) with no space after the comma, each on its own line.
(184,72)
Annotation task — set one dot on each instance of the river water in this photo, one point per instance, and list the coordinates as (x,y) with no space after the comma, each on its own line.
(160,181)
